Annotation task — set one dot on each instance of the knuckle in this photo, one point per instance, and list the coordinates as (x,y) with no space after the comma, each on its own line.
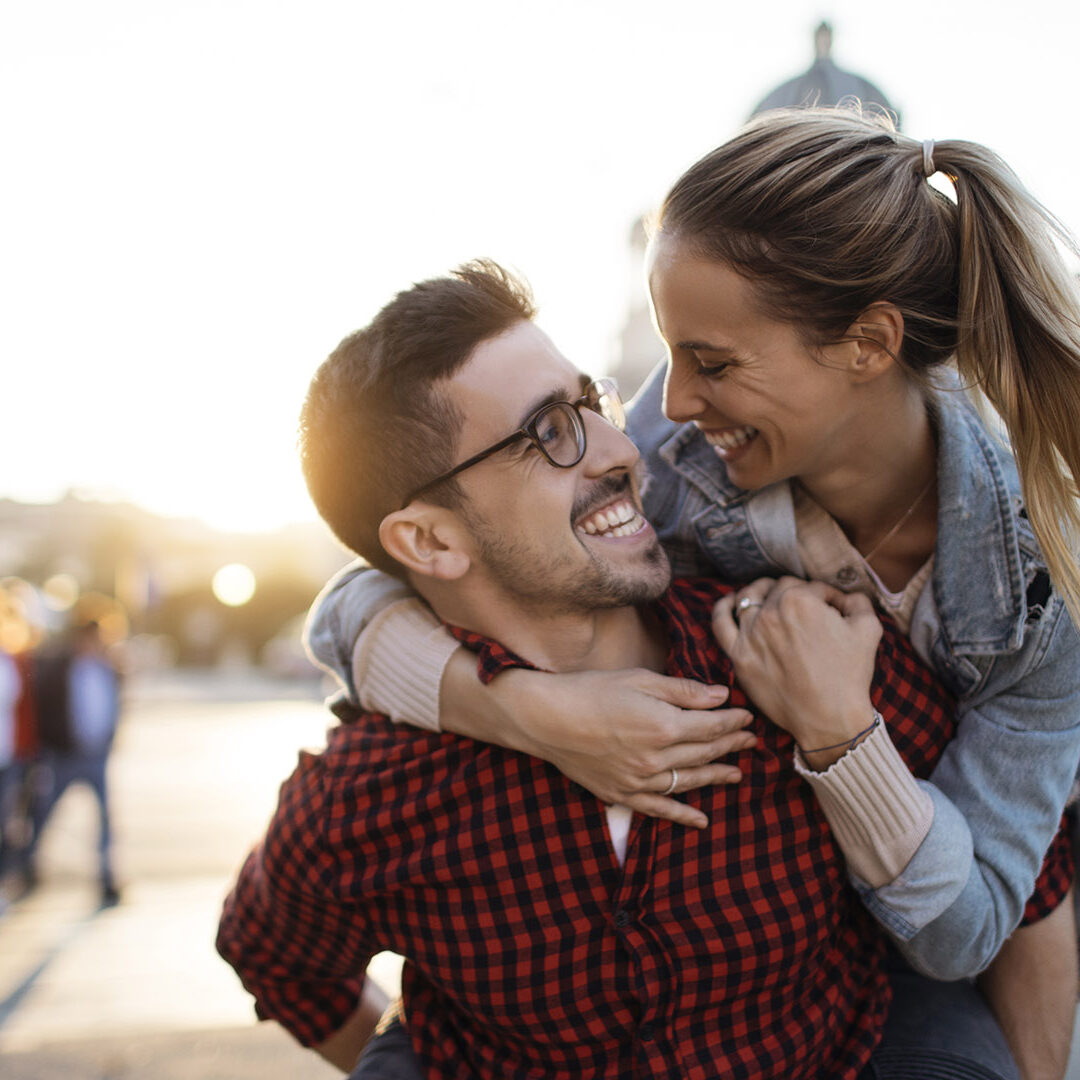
(650,764)
(666,731)
(794,599)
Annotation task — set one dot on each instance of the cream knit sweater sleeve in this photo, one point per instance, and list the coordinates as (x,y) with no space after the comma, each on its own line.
(398,662)
(878,812)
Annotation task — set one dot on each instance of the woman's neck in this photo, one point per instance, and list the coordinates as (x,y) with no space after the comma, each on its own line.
(883,493)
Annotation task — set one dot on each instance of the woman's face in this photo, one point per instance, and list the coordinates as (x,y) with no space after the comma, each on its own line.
(771,408)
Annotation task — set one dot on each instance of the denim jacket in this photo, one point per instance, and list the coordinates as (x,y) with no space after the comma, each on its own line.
(989,626)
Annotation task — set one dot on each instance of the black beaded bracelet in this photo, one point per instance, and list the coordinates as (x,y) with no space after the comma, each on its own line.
(849,744)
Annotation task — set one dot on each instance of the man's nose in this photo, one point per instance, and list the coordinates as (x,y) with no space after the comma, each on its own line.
(606,447)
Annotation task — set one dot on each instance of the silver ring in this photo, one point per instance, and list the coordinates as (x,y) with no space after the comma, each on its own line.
(674,780)
(747,602)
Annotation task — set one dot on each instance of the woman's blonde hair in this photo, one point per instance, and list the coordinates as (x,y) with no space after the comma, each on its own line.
(829,211)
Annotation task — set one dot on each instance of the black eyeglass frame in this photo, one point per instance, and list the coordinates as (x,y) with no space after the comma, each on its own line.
(598,393)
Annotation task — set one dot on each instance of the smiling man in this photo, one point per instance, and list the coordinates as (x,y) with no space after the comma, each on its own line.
(452,445)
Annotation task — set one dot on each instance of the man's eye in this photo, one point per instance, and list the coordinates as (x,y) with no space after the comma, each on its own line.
(550,429)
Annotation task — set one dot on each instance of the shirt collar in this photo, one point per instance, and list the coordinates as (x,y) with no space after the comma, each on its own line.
(682,611)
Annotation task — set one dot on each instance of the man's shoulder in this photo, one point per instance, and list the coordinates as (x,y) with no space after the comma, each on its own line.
(368,741)
(685,612)
(368,765)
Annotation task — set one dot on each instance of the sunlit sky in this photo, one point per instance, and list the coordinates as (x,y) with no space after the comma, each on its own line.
(199,199)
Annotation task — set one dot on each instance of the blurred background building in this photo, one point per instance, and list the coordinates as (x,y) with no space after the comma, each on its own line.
(178,591)
(824,83)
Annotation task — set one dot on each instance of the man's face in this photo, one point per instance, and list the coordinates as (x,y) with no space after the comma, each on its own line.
(554,540)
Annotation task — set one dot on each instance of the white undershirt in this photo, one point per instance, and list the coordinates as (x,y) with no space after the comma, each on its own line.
(618,823)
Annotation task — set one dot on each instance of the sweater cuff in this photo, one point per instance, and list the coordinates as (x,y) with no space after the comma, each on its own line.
(398,663)
(878,813)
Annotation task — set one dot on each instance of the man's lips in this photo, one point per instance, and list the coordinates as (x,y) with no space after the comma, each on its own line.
(618,518)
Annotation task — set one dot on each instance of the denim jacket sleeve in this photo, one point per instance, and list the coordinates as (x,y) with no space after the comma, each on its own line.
(346,604)
(998,794)
(1000,787)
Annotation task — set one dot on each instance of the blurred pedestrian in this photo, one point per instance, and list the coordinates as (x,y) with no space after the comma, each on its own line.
(10,691)
(77,691)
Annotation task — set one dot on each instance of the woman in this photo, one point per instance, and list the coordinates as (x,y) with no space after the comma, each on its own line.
(808,281)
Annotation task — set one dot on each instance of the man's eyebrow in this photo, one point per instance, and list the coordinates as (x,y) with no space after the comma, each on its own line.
(558,393)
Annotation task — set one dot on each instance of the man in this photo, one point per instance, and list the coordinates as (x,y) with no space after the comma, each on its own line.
(544,934)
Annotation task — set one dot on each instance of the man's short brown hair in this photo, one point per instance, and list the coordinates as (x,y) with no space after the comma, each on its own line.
(374,426)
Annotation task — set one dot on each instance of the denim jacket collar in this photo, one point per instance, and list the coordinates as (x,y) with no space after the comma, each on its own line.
(980,601)
(689,454)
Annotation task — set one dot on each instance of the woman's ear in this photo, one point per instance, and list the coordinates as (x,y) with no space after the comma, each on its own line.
(879,335)
(426,540)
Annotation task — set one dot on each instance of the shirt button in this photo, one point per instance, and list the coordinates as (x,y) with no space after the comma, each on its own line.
(622,918)
(847,575)
(645,1032)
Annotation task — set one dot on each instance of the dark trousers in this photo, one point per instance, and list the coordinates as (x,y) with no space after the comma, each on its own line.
(54,773)
(11,780)
(939,1031)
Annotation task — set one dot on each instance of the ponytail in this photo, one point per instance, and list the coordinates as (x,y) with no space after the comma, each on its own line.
(1018,340)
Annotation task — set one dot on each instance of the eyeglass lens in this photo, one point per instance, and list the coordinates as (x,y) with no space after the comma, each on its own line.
(604,398)
(559,434)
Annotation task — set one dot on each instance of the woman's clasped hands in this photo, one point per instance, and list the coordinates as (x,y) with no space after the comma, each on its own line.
(804,653)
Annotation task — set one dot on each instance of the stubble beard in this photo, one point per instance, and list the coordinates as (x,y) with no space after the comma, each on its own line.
(543,582)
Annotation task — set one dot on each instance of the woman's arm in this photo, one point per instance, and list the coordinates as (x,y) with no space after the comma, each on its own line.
(618,734)
(996,794)
(343,609)
(998,790)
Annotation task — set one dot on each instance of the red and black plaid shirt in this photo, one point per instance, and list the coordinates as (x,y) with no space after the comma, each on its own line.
(735,951)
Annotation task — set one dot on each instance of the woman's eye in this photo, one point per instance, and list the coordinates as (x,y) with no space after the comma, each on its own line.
(712,371)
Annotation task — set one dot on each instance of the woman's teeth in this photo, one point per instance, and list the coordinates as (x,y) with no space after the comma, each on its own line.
(618,519)
(729,438)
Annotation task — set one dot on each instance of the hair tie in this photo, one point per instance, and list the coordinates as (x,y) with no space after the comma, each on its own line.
(928,166)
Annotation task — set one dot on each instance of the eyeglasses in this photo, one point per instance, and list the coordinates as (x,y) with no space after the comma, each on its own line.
(556,430)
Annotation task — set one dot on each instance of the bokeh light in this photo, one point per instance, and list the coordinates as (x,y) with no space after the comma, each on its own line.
(60,592)
(234,584)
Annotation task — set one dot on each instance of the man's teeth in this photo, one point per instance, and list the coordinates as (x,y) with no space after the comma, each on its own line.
(730,438)
(618,519)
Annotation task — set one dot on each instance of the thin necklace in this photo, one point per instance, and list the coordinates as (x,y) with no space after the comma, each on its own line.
(896,528)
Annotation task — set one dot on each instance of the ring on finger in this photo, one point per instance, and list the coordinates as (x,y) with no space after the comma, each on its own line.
(674,780)
(745,604)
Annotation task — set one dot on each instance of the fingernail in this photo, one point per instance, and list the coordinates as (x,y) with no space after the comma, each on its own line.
(719,692)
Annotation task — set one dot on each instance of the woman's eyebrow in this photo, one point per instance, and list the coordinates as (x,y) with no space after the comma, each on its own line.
(704,346)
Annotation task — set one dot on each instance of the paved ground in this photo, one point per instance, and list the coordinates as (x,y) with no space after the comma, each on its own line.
(136,992)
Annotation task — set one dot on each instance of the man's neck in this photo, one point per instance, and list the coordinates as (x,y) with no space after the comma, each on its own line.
(605,639)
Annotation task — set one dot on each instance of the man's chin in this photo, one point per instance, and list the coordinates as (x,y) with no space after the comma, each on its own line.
(649,581)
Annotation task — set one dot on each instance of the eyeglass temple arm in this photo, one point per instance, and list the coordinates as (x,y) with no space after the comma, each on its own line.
(468,463)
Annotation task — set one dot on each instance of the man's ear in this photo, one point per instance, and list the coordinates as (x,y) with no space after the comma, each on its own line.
(427,540)
(878,333)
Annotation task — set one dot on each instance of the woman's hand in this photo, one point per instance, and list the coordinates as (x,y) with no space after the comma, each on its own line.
(617,733)
(804,652)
